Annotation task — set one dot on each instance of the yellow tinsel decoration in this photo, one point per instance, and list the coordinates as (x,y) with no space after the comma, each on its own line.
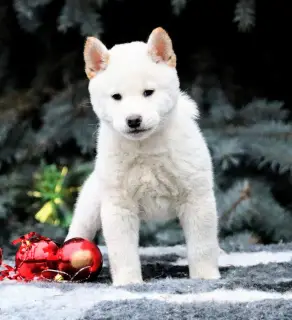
(48,212)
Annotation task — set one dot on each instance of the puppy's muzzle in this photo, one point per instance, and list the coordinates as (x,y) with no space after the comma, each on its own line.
(134,121)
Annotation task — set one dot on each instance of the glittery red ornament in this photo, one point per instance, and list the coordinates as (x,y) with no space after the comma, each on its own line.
(35,255)
(7,271)
(78,260)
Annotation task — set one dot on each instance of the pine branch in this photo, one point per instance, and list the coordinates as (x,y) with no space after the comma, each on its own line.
(271,221)
(219,117)
(256,112)
(18,103)
(13,188)
(244,15)
(243,196)
(262,109)
(249,205)
(178,6)
(267,128)
(249,132)
(7,124)
(82,13)
(29,13)
(19,144)
(260,147)
(228,153)
(66,117)
(234,206)
(272,152)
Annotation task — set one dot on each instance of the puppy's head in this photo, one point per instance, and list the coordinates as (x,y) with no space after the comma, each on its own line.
(133,86)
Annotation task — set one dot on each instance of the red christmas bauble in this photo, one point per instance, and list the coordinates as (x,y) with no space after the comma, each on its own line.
(79,260)
(35,255)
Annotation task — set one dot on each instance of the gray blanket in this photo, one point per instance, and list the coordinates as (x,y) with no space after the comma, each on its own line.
(256,284)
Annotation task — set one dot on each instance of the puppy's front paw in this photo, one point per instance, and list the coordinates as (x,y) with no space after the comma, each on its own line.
(126,281)
(205,272)
(127,276)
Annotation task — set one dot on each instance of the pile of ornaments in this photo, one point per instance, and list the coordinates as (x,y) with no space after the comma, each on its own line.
(38,258)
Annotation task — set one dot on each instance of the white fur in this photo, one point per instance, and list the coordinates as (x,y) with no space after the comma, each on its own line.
(158,174)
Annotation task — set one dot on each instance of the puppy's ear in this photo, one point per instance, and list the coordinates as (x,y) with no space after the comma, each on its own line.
(160,47)
(96,57)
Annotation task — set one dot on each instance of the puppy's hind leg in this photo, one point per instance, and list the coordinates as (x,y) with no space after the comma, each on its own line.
(86,218)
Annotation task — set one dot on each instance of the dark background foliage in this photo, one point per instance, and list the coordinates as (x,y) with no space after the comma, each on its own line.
(234,59)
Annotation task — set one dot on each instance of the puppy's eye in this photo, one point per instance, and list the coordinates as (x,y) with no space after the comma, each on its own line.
(117,96)
(148,93)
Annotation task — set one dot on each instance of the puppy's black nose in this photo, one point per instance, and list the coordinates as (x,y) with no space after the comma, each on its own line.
(134,121)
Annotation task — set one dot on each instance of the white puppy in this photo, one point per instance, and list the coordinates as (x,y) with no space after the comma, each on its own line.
(152,161)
